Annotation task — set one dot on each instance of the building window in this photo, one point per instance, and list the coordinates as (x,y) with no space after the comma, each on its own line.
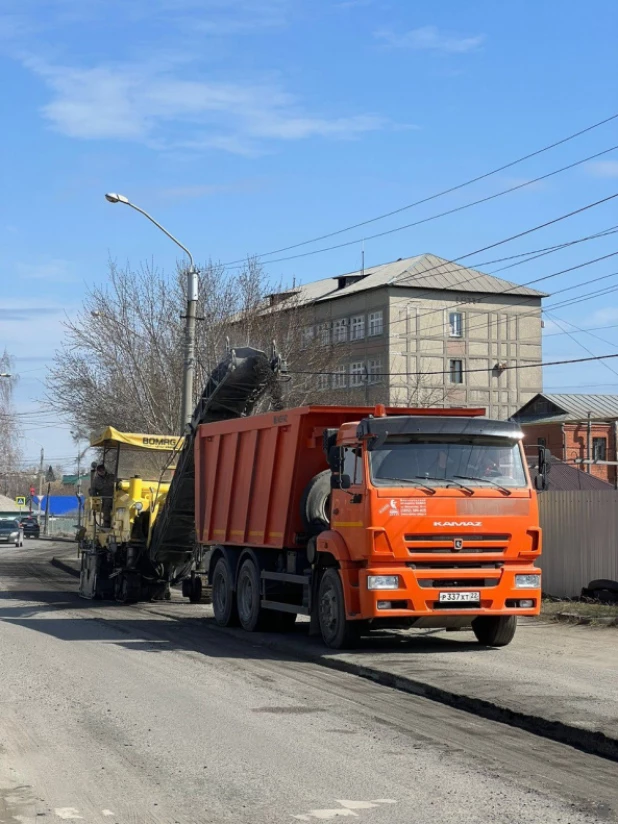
(455,324)
(357,373)
(456,371)
(324,331)
(307,336)
(599,449)
(376,325)
(323,382)
(340,377)
(374,371)
(340,331)
(357,327)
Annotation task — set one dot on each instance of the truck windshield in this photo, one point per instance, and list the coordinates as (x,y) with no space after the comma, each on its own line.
(416,460)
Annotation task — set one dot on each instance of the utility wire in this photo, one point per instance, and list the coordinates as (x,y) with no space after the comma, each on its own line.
(437,194)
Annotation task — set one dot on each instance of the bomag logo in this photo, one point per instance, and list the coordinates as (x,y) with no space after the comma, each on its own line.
(458,523)
(160,441)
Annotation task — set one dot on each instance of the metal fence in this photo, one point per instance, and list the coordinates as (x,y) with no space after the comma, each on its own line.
(580,539)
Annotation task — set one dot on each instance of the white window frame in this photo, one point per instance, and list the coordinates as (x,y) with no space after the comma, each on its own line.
(455,328)
(340,330)
(357,327)
(357,374)
(340,377)
(455,372)
(374,370)
(376,323)
(323,382)
(324,333)
(307,335)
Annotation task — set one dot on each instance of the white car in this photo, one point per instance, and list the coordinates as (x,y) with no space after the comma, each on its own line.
(11,532)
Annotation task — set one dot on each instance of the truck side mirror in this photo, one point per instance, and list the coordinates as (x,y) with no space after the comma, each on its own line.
(540,482)
(345,481)
(338,481)
(334,458)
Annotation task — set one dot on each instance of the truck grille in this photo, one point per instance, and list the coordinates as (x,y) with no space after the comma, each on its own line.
(454,583)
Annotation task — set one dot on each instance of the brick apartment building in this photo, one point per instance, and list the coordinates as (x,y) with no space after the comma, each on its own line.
(574,427)
(423,331)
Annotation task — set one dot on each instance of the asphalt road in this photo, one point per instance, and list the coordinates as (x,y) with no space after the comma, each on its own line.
(126,714)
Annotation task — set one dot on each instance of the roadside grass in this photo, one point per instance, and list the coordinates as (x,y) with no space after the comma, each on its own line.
(592,610)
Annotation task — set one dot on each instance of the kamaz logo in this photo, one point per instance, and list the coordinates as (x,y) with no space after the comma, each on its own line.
(458,523)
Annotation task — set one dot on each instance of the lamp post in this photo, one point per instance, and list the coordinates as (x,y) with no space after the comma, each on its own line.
(186,411)
(41,470)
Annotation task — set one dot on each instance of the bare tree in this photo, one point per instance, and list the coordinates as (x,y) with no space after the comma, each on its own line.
(122,358)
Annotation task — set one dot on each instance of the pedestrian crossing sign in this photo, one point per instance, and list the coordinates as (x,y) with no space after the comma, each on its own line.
(20,501)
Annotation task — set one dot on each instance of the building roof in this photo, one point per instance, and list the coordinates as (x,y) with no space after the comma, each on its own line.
(425,271)
(564,477)
(568,408)
(8,505)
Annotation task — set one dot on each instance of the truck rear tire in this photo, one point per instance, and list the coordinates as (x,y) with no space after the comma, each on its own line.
(337,631)
(315,503)
(248,596)
(223,596)
(495,630)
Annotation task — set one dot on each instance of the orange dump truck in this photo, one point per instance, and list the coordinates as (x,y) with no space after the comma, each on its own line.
(367,518)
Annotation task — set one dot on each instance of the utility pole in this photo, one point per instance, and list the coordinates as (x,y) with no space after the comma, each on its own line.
(41,473)
(186,406)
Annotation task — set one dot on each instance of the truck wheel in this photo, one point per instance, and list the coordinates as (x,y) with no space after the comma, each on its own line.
(337,631)
(195,591)
(315,503)
(495,630)
(252,616)
(223,598)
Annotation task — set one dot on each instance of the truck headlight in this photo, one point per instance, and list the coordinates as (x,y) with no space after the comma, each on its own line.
(382,582)
(527,581)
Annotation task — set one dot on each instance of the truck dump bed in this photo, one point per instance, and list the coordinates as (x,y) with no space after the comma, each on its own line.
(251,472)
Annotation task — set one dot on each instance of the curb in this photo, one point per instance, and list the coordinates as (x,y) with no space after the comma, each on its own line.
(595,743)
(583,620)
(56,562)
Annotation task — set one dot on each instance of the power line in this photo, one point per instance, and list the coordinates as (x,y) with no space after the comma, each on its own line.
(469,371)
(586,349)
(437,194)
(452,211)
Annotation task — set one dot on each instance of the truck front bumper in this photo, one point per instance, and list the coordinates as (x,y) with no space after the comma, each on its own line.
(418,596)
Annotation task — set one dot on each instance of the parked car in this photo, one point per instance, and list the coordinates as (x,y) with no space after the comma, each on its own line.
(11,532)
(30,525)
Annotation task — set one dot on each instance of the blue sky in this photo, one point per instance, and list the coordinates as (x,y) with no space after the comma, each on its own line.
(250,125)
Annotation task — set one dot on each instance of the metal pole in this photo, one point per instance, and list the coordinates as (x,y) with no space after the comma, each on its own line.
(79,487)
(186,408)
(588,441)
(41,478)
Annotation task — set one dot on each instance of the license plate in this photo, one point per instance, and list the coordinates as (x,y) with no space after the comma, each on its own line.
(459,597)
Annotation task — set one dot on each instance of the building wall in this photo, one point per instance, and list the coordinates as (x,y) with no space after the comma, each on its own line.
(573,443)
(415,341)
(494,331)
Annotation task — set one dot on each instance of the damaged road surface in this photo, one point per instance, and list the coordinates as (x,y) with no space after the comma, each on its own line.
(116,714)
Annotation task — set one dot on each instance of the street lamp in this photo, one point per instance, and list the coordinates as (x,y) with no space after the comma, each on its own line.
(186,412)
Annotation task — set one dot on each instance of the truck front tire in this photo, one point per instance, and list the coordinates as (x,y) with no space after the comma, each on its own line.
(223,596)
(337,631)
(494,630)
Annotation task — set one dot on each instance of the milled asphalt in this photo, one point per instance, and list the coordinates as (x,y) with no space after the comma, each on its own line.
(554,679)
(129,714)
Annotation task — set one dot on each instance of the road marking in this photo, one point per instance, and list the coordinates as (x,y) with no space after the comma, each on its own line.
(346,809)
(68,813)
(107,812)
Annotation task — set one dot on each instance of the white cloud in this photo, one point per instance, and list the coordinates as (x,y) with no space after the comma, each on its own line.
(429,38)
(150,104)
(55,270)
(603,168)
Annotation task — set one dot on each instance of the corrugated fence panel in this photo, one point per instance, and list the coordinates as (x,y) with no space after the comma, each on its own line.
(580,539)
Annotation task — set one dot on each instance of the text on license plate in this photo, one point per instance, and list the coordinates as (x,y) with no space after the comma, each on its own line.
(460,597)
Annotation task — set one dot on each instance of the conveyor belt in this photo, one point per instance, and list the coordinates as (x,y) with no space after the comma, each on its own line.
(232,391)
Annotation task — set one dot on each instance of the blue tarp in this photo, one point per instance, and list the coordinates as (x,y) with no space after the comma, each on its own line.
(60,505)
